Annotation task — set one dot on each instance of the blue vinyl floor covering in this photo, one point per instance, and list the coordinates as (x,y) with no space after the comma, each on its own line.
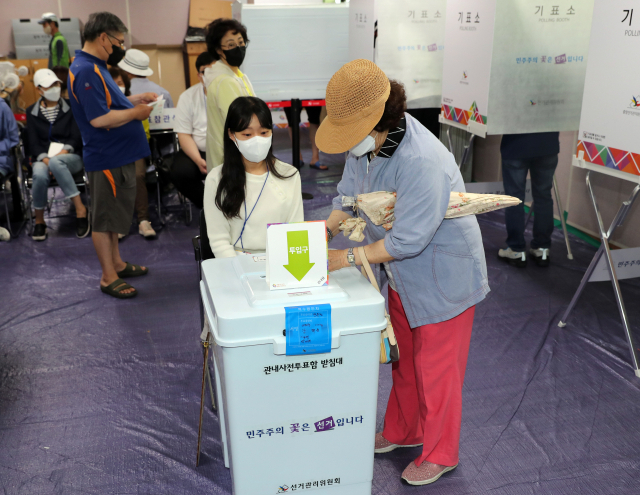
(101,396)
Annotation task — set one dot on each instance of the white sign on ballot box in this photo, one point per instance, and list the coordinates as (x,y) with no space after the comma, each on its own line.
(297,255)
(162,118)
(515,66)
(610,123)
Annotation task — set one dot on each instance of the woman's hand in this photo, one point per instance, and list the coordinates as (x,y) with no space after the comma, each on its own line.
(337,259)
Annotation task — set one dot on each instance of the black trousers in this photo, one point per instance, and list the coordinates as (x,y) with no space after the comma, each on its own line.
(187,178)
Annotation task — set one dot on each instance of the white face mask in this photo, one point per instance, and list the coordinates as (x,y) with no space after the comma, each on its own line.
(52,94)
(255,149)
(365,146)
(47,30)
(123,89)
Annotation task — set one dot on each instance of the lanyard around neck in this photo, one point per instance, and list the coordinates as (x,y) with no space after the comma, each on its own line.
(246,218)
(241,76)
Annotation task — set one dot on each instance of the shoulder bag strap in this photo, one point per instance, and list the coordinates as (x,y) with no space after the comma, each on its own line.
(368,273)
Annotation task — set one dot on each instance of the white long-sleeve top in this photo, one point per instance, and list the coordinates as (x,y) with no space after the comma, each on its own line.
(280,202)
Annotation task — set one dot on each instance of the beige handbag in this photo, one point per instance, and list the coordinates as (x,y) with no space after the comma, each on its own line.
(389,351)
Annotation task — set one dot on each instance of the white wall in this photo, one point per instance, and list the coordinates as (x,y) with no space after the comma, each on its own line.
(158,22)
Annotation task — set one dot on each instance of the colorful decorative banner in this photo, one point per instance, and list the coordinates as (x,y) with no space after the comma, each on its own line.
(598,154)
(464,116)
(610,121)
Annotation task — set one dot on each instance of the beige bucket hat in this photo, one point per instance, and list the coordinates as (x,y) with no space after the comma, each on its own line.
(356,95)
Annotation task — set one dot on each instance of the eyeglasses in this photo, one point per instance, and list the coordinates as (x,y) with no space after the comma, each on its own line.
(232,44)
(120,42)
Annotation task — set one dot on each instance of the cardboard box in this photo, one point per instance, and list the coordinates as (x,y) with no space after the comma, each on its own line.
(202,12)
(38,64)
(191,53)
(28,95)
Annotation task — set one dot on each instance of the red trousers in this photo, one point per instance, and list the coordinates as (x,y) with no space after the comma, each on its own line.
(425,405)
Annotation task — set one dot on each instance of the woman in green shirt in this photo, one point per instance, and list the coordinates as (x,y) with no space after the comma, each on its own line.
(227,42)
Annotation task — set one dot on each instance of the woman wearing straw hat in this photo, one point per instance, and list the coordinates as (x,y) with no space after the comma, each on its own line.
(436,269)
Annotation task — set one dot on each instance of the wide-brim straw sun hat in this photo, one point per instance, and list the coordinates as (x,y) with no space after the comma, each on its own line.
(356,95)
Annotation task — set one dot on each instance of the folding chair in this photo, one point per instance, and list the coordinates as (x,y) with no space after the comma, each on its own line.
(81,180)
(164,144)
(202,251)
(17,192)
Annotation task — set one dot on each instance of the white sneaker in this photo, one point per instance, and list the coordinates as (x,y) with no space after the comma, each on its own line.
(516,258)
(4,234)
(541,256)
(145,229)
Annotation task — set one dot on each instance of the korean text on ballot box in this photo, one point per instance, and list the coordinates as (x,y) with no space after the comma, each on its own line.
(296,378)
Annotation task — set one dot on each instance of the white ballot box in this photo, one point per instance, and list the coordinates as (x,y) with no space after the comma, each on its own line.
(293,420)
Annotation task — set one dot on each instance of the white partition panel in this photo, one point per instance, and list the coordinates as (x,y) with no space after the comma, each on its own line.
(515,66)
(609,138)
(410,47)
(294,50)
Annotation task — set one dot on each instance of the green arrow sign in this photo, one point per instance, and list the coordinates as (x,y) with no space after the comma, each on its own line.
(298,249)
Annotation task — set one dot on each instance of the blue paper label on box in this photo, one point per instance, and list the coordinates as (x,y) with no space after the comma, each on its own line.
(308,329)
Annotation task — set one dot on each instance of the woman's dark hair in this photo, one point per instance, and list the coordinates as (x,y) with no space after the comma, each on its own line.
(117,72)
(231,189)
(216,31)
(103,22)
(61,73)
(394,108)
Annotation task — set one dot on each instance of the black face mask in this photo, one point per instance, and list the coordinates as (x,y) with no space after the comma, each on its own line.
(116,55)
(235,56)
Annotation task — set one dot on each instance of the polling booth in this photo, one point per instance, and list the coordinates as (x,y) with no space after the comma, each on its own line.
(608,141)
(512,66)
(405,38)
(296,358)
(515,67)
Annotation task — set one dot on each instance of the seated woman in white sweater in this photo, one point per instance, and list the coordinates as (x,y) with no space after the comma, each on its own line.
(252,188)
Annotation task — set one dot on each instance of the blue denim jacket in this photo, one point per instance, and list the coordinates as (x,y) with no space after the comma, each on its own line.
(9,137)
(439,266)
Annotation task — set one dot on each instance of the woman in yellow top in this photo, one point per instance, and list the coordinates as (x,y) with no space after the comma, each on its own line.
(227,42)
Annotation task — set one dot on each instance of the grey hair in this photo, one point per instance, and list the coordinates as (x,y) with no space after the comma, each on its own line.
(103,22)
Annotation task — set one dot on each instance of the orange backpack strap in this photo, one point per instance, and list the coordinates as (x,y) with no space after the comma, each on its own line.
(106,90)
